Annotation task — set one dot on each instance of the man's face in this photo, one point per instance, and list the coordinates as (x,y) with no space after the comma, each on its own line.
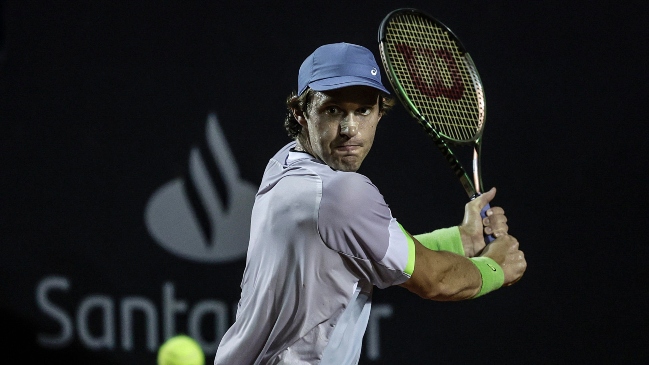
(341,124)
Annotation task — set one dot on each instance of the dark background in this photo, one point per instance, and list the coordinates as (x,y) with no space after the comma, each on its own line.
(102,101)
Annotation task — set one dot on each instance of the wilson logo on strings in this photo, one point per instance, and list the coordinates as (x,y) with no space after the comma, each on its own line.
(453,92)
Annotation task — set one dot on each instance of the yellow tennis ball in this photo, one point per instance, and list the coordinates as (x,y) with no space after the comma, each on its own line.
(181,350)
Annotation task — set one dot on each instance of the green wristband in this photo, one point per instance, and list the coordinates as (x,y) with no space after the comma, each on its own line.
(445,239)
(492,274)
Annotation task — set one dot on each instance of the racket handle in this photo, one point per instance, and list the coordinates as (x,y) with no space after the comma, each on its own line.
(483,213)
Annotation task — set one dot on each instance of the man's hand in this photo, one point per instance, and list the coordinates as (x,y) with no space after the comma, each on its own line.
(505,251)
(473,227)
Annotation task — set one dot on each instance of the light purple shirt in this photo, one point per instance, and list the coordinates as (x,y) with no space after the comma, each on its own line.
(320,239)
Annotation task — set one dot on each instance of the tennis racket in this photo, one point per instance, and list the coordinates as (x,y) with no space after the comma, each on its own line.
(437,82)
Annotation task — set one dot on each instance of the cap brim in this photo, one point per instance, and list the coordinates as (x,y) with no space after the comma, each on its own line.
(345,81)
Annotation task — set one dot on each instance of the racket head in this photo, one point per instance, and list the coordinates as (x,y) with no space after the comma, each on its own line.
(433,75)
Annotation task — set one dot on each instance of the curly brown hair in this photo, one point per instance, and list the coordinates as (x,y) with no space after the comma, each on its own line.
(302,102)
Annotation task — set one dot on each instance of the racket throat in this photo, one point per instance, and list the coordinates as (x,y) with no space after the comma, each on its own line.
(476,173)
(468,186)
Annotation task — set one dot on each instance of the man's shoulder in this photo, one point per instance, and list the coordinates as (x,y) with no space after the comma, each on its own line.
(344,181)
(281,155)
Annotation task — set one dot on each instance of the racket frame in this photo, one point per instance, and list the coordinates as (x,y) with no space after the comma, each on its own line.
(473,185)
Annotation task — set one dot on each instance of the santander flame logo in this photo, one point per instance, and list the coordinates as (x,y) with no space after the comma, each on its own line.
(204,216)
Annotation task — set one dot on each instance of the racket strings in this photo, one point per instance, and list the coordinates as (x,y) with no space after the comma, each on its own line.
(437,77)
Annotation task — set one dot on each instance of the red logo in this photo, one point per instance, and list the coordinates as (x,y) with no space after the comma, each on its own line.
(454,92)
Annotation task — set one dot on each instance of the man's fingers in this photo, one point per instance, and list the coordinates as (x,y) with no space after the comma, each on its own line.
(495,211)
(518,265)
(494,219)
(487,196)
(482,200)
(496,222)
(497,231)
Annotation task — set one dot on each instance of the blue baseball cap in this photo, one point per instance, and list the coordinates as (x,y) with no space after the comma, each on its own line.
(337,65)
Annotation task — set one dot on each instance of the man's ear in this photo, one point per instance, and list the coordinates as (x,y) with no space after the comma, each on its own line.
(299,116)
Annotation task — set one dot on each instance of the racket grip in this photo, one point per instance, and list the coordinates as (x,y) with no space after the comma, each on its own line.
(483,213)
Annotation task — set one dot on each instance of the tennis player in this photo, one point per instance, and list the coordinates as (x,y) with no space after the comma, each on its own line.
(322,236)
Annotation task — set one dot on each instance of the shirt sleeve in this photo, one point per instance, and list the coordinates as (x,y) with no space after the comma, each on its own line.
(354,220)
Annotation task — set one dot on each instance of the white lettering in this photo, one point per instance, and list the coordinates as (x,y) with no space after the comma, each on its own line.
(220,311)
(128,306)
(373,338)
(105,305)
(198,316)
(56,313)
(171,307)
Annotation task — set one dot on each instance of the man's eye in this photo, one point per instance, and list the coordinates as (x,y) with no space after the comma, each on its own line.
(364,111)
(332,110)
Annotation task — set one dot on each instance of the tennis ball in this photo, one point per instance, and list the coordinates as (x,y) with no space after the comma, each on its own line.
(181,350)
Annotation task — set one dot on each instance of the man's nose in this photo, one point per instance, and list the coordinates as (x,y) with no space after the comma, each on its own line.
(349,126)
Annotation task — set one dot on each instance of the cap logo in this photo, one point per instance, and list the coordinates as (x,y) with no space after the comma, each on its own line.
(338,65)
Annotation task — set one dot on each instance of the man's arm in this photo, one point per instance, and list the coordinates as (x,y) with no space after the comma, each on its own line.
(442,270)
(442,275)
(446,276)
